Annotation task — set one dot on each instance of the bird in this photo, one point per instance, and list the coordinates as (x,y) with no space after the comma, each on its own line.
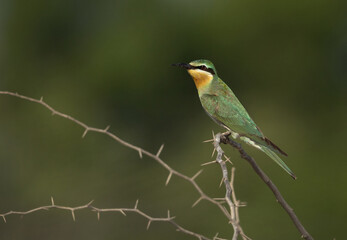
(221,104)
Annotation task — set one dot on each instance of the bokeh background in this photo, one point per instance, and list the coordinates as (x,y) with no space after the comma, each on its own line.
(108,63)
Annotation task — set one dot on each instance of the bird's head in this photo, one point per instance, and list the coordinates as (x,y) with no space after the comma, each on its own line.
(202,72)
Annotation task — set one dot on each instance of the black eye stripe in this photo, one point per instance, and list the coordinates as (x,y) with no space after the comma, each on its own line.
(204,68)
(210,70)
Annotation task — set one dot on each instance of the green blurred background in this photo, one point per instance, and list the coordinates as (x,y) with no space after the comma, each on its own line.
(108,63)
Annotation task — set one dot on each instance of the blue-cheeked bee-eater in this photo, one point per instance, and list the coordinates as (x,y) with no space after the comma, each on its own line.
(221,104)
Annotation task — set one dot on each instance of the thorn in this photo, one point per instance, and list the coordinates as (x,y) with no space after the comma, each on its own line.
(53,113)
(228,160)
(242,204)
(168,178)
(3,217)
(209,140)
(215,236)
(213,152)
(52,201)
(168,213)
(149,224)
(137,203)
(197,174)
(220,200)
(140,153)
(122,212)
(41,99)
(221,182)
(196,202)
(85,132)
(90,203)
(213,135)
(73,215)
(160,149)
(106,129)
(98,214)
(207,163)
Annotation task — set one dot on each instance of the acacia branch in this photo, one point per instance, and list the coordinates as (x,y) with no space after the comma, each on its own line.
(141,151)
(224,138)
(123,211)
(235,221)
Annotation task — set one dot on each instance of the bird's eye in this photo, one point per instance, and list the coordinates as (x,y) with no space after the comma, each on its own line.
(203,67)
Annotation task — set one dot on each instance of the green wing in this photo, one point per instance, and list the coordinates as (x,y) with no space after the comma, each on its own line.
(227,109)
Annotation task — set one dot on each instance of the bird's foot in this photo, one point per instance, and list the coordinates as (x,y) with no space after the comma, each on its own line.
(226,134)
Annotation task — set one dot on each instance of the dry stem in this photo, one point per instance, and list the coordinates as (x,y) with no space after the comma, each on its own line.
(98,211)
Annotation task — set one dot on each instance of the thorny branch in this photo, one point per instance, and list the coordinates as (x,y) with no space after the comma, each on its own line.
(141,151)
(224,138)
(123,211)
(233,204)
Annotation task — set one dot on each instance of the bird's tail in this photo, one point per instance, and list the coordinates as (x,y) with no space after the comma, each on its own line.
(277,160)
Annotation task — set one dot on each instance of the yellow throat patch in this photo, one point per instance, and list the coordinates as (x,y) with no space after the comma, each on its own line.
(201,78)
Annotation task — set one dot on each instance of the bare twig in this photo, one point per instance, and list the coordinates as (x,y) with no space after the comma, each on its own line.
(233,195)
(98,211)
(141,151)
(235,221)
(236,202)
(304,234)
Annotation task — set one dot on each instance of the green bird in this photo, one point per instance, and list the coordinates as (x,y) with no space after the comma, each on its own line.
(221,104)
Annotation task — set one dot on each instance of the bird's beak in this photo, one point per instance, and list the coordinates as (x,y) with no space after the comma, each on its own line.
(183,65)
